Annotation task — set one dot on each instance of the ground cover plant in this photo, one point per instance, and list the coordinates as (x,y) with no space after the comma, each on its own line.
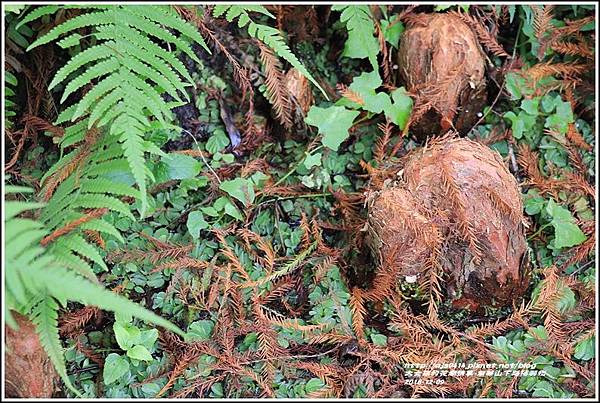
(288,201)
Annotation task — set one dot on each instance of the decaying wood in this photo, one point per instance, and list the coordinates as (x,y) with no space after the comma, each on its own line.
(29,372)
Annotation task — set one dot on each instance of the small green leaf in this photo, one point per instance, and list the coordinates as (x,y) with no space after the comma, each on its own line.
(180,166)
(379,339)
(531,106)
(115,367)
(139,352)
(126,334)
(200,330)
(585,349)
(233,211)
(313,385)
(151,388)
(543,389)
(366,83)
(533,203)
(240,189)
(566,232)
(313,160)
(567,300)
(515,85)
(217,141)
(196,223)
(392,33)
(399,112)
(333,123)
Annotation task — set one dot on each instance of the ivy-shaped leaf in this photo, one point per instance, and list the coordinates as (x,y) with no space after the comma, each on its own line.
(361,42)
(566,231)
(333,123)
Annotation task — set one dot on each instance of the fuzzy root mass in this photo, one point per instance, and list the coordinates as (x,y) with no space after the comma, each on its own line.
(453,207)
(443,64)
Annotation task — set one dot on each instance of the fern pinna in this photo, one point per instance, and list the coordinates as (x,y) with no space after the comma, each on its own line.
(38,283)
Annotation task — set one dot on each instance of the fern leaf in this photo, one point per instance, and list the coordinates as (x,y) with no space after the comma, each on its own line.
(72,287)
(11,209)
(107,84)
(45,319)
(97,70)
(37,13)
(155,51)
(69,260)
(81,21)
(102,226)
(73,134)
(77,243)
(161,15)
(361,42)
(103,185)
(268,35)
(100,201)
(108,166)
(132,142)
(101,112)
(150,27)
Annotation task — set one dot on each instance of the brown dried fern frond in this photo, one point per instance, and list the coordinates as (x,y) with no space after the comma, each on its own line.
(581,253)
(573,49)
(542,15)
(278,291)
(306,231)
(95,237)
(72,322)
(37,123)
(277,90)
(576,138)
(382,142)
(268,260)
(74,224)
(76,163)
(357,307)
(349,94)
(230,255)
(547,69)
(528,161)
(514,320)
(185,262)
(546,304)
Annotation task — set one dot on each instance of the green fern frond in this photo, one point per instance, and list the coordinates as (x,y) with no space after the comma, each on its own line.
(103,185)
(103,226)
(127,67)
(10,82)
(45,319)
(78,244)
(100,201)
(70,260)
(268,35)
(74,134)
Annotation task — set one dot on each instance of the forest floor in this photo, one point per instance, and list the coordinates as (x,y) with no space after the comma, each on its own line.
(252,244)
